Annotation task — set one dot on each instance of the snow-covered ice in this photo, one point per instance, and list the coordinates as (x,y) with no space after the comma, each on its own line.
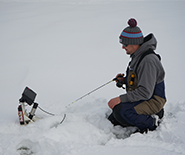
(63,49)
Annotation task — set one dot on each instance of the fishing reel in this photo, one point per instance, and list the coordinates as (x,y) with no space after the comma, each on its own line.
(119,84)
(28,96)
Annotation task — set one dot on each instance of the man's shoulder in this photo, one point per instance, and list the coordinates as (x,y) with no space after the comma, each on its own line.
(151,57)
(146,59)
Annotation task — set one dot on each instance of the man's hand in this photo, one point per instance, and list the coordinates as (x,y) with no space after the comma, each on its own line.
(114,102)
(120,77)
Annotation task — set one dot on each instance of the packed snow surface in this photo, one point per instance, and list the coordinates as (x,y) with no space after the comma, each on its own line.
(63,49)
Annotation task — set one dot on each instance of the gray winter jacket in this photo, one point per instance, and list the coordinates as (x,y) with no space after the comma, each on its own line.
(149,72)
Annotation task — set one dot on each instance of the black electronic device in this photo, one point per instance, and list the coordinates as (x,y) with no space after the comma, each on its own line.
(28,96)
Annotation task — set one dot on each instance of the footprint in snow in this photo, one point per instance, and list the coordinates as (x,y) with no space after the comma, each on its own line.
(27,147)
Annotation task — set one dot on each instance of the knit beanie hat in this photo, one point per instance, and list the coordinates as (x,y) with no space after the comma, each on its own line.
(132,34)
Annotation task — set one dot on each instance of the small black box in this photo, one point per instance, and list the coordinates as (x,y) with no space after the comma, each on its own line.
(28,96)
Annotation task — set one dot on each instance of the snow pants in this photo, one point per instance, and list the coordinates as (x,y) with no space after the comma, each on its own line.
(126,115)
(138,113)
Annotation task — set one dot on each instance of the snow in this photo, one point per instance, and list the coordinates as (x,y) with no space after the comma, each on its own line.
(63,49)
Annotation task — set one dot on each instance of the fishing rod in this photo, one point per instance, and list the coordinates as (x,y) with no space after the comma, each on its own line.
(119,84)
(89,93)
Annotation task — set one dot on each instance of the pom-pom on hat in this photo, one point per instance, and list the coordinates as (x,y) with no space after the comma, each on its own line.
(132,34)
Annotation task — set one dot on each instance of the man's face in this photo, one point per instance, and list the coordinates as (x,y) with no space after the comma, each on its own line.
(130,49)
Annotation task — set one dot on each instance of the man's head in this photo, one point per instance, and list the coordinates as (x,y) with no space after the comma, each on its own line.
(131,37)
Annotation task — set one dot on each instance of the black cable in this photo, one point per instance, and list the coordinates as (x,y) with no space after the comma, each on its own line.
(63,119)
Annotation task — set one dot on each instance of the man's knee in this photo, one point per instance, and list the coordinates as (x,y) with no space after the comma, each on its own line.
(117,115)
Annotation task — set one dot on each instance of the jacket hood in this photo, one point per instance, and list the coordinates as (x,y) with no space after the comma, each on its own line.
(150,42)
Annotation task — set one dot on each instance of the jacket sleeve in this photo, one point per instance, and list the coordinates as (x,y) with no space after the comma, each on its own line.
(147,75)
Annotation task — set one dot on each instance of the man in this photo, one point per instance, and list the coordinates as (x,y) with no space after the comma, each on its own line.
(145,97)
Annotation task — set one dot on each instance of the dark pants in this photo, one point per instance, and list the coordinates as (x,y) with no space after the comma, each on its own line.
(125,115)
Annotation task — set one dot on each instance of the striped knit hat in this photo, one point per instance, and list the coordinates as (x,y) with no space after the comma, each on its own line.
(132,34)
